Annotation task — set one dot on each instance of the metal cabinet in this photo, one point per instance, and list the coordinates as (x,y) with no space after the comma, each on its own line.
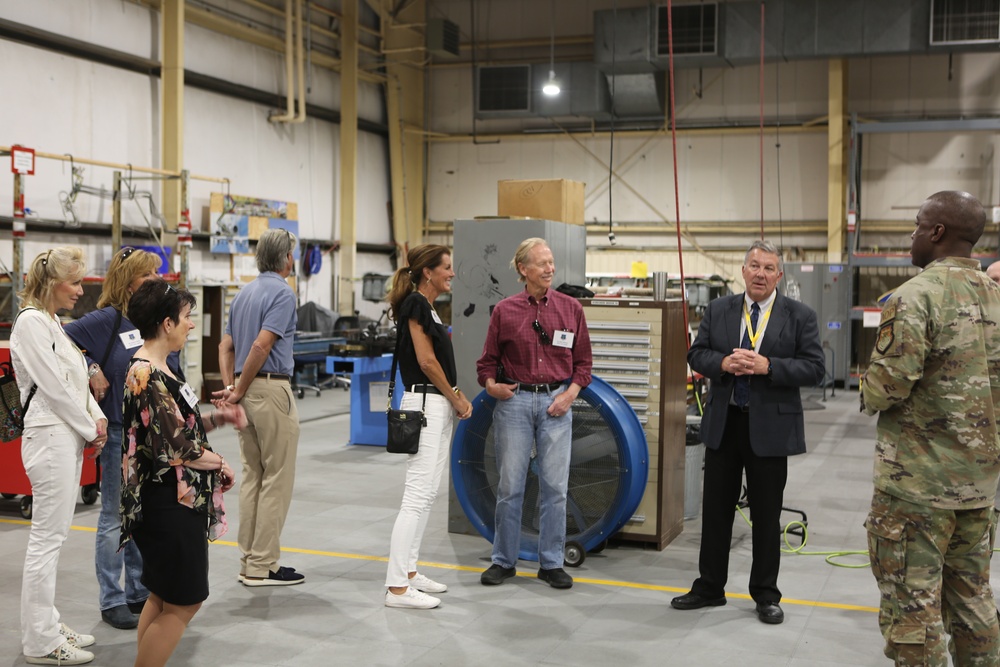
(639,348)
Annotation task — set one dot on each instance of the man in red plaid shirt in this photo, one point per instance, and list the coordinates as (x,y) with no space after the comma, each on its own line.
(535,361)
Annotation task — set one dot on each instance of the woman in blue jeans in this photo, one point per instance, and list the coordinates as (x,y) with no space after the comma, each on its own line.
(109,340)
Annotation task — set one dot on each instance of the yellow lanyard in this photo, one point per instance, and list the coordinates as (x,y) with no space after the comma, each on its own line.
(755,336)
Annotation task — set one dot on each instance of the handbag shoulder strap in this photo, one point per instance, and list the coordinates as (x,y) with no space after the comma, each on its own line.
(111,338)
(392,376)
(34,387)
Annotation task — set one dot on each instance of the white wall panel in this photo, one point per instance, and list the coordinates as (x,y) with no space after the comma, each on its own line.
(718,176)
(67,105)
(76,107)
(113,24)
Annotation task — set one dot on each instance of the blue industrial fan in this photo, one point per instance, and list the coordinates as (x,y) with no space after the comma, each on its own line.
(608,471)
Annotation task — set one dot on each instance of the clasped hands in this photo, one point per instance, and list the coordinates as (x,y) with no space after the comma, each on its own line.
(463,409)
(745,362)
(102,437)
(229,413)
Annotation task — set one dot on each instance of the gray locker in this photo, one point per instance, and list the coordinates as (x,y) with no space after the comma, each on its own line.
(826,288)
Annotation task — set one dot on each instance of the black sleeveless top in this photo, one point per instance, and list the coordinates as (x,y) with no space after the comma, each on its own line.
(415,307)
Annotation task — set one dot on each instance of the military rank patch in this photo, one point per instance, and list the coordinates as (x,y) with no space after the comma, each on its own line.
(886,338)
(889,313)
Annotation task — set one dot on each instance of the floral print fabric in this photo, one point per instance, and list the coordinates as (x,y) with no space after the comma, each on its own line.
(161,432)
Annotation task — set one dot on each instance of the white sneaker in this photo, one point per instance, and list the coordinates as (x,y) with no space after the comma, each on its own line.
(427,585)
(75,638)
(66,654)
(411,599)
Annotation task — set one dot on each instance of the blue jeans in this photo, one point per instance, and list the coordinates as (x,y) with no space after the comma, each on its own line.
(107,559)
(521,425)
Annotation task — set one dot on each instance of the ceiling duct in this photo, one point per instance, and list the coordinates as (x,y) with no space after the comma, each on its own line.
(503,91)
(442,38)
(696,30)
(584,91)
(965,21)
(636,40)
(514,91)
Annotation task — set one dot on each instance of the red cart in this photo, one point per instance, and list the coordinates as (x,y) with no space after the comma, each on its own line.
(14,480)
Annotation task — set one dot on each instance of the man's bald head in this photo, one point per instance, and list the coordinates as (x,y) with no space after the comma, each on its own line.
(949,224)
(961,213)
(993,271)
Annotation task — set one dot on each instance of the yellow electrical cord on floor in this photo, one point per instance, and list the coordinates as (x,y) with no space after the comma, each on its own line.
(830,555)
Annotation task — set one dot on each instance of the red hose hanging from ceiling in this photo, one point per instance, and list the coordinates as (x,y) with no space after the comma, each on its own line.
(677,194)
(762,120)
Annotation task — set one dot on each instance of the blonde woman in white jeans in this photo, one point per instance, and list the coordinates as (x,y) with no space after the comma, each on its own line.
(62,418)
(427,366)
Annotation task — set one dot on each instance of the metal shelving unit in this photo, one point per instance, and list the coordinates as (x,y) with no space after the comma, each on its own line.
(857,261)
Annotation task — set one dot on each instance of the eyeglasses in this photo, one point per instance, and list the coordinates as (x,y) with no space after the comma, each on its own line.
(541,333)
(126,252)
(170,288)
(45,262)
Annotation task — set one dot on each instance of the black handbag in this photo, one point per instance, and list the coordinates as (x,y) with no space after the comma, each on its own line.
(404,425)
(12,413)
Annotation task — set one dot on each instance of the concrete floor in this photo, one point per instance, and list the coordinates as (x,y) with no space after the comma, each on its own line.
(337,534)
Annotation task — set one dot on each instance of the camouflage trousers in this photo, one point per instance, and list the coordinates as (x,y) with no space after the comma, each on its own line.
(933,573)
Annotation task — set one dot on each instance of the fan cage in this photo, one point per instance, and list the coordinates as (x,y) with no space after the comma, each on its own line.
(609,467)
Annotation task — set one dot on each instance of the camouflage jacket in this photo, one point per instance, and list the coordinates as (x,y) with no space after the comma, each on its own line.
(934,376)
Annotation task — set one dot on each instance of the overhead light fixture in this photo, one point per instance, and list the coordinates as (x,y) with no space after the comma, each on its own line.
(551,87)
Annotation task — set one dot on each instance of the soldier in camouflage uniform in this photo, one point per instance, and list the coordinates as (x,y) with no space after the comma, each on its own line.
(934,377)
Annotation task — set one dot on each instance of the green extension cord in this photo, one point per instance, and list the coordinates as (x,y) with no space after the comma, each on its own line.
(830,555)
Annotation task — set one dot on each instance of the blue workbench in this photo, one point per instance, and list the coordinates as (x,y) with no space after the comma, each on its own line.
(369,389)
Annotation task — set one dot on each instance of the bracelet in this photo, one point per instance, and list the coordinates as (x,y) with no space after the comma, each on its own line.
(222,461)
(230,387)
(456,390)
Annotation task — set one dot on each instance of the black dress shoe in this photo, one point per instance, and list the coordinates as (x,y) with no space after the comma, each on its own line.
(556,578)
(120,617)
(496,575)
(770,612)
(695,601)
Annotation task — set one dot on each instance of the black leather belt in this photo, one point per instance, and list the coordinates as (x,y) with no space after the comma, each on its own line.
(537,388)
(273,376)
(425,388)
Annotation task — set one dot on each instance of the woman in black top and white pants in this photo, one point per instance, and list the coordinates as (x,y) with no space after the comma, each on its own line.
(427,365)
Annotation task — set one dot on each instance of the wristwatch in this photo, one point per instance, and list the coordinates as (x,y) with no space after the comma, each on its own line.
(93,370)
(230,387)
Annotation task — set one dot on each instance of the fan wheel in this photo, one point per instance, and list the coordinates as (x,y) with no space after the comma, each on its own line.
(574,554)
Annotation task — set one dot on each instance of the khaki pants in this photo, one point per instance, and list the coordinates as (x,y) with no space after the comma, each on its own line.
(268,448)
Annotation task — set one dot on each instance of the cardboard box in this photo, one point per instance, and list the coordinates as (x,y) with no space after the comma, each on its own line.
(551,199)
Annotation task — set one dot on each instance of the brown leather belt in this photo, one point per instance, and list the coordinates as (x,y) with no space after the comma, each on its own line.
(273,376)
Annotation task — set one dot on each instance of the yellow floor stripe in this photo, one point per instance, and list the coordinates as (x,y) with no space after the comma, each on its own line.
(466,568)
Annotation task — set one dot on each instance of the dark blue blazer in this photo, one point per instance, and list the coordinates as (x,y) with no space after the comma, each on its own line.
(791,343)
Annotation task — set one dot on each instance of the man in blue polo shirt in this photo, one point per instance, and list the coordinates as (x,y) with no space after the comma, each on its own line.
(255,357)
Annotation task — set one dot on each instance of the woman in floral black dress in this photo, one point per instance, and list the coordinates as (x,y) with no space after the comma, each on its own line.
(172,480)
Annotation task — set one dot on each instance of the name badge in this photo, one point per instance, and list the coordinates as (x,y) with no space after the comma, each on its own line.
(437,319)
(131,339)
(563,338)
(188,395)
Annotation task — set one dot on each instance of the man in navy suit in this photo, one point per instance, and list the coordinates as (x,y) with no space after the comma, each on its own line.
(757,349)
